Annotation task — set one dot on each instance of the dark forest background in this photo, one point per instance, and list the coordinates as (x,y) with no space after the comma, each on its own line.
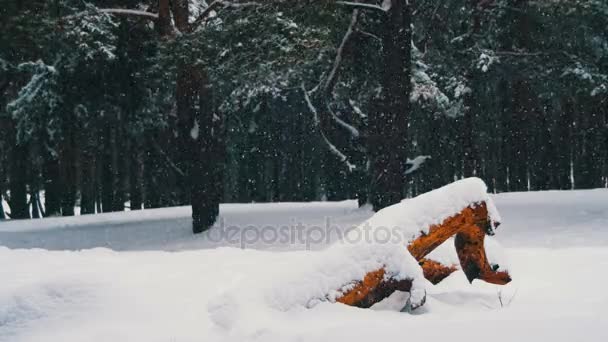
(179,102)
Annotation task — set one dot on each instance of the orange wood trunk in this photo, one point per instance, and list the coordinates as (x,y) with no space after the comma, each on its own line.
(469,226)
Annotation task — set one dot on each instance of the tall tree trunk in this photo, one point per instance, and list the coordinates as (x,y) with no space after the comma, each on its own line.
(18,183)
(387,144)
(118,166)
(88,191)
(68,168)
(52,186)
(519,137)
(563,134)
(2,178)
(468,143)
(136,176)
(34,202)
(107,173)
(3,173)
(200,133)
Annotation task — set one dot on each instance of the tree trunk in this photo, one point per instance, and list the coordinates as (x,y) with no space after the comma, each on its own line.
(468,143)
(200,135)
(2,178)
(136,181)
(563,133)
(34,202)
(18,183)
(87,199)
(118,166)
(107,173)
(387,144)
(68,168)
(52,187)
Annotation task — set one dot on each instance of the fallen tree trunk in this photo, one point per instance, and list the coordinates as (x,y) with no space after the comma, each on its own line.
(373,288)
(469,227)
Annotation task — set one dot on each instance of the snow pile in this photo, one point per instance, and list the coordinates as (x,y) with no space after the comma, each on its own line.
(324,276)
(296,281)
(411,218)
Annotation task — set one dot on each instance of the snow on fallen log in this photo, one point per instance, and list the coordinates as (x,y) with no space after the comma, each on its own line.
(415,217)
(380,256)
(462,210)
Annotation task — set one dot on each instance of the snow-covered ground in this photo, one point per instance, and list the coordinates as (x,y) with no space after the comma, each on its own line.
(141,276)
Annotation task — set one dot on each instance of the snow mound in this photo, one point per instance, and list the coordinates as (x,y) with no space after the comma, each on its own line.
(411,218)
(304,280)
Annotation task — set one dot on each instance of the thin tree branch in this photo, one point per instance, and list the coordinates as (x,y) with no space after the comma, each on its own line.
(169,161)
(369,34)
(333,74)
(361,5)
(332,148)
(129,12)
(350,128)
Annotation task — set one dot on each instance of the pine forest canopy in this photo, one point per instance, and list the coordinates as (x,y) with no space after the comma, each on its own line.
(109,104)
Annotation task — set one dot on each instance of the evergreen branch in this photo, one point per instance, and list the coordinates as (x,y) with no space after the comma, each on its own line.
(215,5)
(212,6)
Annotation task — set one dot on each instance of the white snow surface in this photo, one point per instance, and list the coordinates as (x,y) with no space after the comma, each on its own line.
(141,275)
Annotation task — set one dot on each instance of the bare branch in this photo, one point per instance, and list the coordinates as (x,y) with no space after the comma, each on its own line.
(332,148)
(169,161)
(122,11)
(369,34)
(333,74)
(361,5)
(350,128)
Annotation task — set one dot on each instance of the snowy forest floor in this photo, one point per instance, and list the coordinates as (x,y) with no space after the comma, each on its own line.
(142,276)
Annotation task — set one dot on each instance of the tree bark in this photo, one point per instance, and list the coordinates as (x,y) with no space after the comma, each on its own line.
(52,187)
(387,143)
(200,139)
(87,188)
(118,166)
(18,183)
(68,170)
(136,181)
(34,202)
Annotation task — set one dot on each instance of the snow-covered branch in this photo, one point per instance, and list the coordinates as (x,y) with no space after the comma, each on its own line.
(357,110)
(361,5)
(415,163)
(350,128)
(333,74)
(369,34)
(332,148)
(122,11)
(204,14)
